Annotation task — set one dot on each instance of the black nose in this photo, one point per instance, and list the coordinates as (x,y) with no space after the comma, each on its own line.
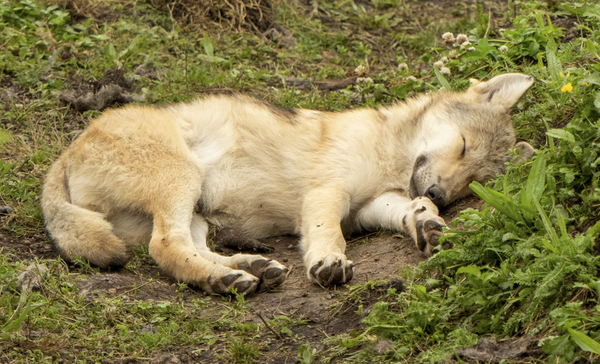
(434,193)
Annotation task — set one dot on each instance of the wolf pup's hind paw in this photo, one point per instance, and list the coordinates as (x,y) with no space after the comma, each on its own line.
(333,269)
(242,282)
(270,272)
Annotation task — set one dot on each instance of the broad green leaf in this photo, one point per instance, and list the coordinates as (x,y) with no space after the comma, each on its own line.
(597,100)
(540,20)
(207,45)
(470,269)
(559,346)
(569,174)
(536,180)
(585,342)
(483,47)
(112,53)
(592,11)
(5,137)
(211,59)
(561,134)
(593,78)
(591,47)
(442,80)
(554,66)
(551,45)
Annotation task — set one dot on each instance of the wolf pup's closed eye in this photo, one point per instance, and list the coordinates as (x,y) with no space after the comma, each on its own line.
(159,175)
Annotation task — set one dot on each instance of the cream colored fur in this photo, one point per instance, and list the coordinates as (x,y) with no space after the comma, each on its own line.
(158,175)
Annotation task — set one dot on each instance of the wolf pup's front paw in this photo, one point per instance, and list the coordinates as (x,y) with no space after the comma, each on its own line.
(332,269)
(429,233)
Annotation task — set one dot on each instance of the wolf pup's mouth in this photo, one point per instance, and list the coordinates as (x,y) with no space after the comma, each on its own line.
(413,188)
(413,192)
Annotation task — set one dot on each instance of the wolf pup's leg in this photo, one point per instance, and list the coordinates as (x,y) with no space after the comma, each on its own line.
(419,218)
(322,242)
(173,249)
(270,272)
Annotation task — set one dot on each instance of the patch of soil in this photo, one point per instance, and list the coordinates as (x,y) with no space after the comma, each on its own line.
(570,26)
(257,15)
(81,10)
(12,94)
(27,247)
(132,287)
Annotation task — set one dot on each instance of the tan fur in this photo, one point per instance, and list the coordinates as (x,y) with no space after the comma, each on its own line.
(156,176)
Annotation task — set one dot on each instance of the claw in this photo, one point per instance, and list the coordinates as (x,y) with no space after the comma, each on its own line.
(336,271)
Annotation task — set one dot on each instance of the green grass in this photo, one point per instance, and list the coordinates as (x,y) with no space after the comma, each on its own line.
(525,267)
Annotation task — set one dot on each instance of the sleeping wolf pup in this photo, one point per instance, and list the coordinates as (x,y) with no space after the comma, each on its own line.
(159,175)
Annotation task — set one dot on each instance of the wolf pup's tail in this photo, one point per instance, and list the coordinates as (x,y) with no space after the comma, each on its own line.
(77,231)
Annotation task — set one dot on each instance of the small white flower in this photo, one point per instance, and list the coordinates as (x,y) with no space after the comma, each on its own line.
(445,70)
(452,53)
(444,59)
(462,38)
(412,78)
(438,64)
(471,48)
(364,81)
(360,70)
(448,38)
(465,45)
(503,49)
(402,66)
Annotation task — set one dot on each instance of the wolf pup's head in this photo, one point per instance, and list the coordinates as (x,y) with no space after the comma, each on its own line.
(466,137)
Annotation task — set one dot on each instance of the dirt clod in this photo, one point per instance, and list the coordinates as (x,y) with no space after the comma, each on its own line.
(105,97)
(32,279)
(166,358)
(490,351)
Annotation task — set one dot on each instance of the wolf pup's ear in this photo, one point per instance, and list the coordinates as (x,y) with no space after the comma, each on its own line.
(503,91)
(526,151)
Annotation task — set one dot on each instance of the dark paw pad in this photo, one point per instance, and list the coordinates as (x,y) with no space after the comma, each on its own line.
(433,230)
(259,265)
(330,274)
(245,286)
(270,272)
(428,232)
(273,277)
(224,285)
(273,273)
(230,278)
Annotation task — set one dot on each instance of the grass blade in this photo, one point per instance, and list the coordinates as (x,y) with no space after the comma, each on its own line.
(548,227)
(585,342)
(442,80)
(494,199)
(536,180)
